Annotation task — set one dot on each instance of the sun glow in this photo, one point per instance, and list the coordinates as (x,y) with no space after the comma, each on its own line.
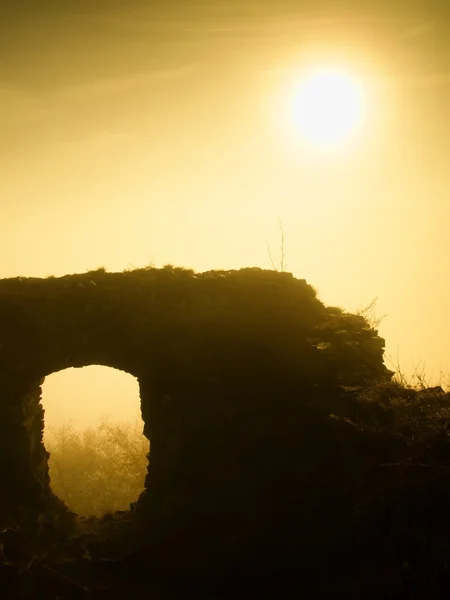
(328,107)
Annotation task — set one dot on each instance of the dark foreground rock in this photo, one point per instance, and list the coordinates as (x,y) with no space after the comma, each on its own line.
(260,483)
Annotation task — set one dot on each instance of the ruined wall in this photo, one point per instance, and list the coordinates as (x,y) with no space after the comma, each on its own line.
(228,363)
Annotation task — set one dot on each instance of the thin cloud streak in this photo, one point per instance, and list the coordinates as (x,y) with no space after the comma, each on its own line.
(425,79)
(113,85)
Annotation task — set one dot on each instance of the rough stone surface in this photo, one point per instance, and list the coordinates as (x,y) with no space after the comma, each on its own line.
(229,365)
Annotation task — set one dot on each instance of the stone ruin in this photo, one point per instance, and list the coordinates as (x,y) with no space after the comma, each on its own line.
(230,365)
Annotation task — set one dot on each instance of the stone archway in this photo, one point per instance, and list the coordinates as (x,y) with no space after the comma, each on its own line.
(225,363)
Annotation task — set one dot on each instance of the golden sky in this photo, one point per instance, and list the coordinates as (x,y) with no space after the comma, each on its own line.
(138,131)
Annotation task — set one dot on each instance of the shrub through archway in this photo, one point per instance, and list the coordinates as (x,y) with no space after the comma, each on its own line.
(93,432)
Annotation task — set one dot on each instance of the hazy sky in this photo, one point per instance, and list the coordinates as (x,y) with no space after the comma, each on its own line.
(137,131)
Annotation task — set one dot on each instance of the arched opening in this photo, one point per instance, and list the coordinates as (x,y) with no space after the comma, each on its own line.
(94,434)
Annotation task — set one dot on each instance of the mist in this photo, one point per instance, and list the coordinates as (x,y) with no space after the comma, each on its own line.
(151,140)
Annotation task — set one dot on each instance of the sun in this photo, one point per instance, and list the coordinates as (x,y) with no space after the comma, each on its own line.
(328,107)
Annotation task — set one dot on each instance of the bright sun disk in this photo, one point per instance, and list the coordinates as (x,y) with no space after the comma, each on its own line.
(328,107)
